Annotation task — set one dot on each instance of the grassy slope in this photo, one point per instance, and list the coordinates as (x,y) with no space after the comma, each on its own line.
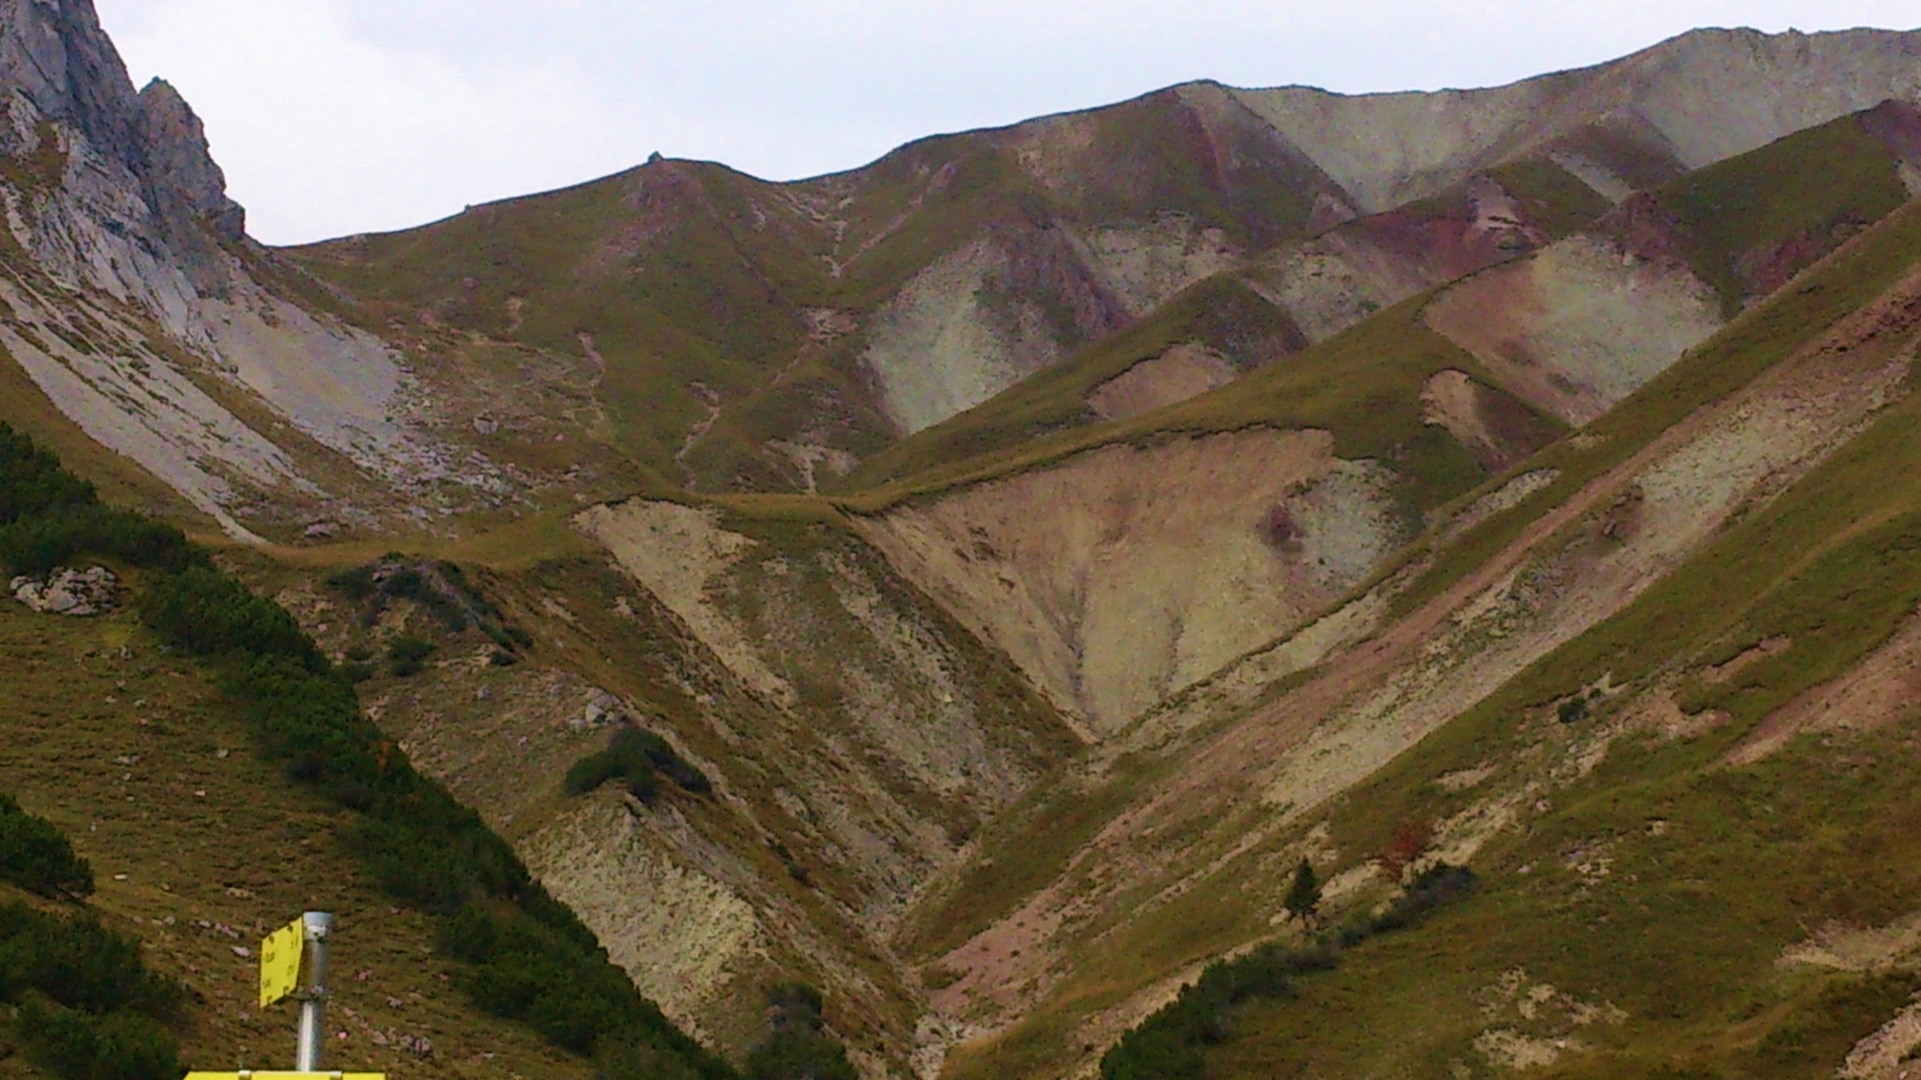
(688,272)
(1684,931)
(1785,570)
(1815,187)
(1551,197)
(250,853)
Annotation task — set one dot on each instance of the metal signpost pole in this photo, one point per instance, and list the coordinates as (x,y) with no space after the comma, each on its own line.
(313,1006)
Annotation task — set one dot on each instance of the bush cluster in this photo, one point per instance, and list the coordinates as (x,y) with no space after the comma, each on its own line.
(32,483)
(533,960)
(407,655)
(39,544)
(1171,1044)
(89,1009)
(797,1046)
(522,969)
(36,856)
(440,588)
(634,756)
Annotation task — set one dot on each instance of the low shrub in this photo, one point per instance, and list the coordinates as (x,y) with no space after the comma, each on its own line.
(1436,887)
(1573,710)
(638,1059)
(36,856)
(32,483)
(79,1046)
(89,1009)
(518,969)
(634,756)
(207,612)
(797,1045)
(36,545)
(442,589)
(79,964)
(407,655)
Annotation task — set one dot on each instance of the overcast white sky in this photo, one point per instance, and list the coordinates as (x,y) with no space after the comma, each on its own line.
(340,116)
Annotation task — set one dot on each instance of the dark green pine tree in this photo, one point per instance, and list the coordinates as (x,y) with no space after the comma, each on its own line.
(1304,896)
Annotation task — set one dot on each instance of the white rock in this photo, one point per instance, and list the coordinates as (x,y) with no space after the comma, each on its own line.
(68,592)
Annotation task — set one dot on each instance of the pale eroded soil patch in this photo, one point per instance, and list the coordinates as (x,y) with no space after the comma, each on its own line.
(678,553)
(937,349)
(1130,572)
(1182,372)
(1334,281)
(679,934)
(1889,1053)
(1579,326)
(1145,265)
(1848,948)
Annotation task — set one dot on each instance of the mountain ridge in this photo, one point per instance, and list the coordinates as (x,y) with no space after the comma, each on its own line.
(1040,539)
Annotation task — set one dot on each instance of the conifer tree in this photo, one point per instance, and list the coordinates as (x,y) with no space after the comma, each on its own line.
(1304,896)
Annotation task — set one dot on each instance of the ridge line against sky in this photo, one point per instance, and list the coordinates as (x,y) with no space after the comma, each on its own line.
(333,117)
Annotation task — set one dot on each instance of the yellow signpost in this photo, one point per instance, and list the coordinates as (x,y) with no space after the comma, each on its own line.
(301,943)
(280,963)
(248,1075)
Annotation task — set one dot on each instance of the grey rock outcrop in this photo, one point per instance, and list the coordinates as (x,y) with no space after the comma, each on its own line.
(180,167)
(55,54)
(78,593)
(140,284)
(127,199)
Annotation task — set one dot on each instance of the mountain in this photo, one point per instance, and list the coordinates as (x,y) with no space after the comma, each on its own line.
(970,585)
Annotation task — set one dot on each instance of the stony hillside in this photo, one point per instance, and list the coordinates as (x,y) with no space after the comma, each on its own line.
(971,584)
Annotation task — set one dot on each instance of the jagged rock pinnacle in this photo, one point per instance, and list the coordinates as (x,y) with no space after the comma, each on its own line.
(179,164)
(55,54)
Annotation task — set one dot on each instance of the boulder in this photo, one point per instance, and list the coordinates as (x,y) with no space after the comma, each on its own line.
(69,592)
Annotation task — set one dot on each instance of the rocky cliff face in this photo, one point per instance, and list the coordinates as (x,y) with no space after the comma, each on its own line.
(142,312)
(63,71)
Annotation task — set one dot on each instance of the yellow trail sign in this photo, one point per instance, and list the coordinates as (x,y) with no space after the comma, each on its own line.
(280,968)
(246,1075)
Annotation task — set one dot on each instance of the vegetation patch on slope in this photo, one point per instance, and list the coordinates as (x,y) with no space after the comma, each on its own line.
(1553,199)
(1172,1044)
(530,957)
(84,1001)
(1811,190)
(36,856)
